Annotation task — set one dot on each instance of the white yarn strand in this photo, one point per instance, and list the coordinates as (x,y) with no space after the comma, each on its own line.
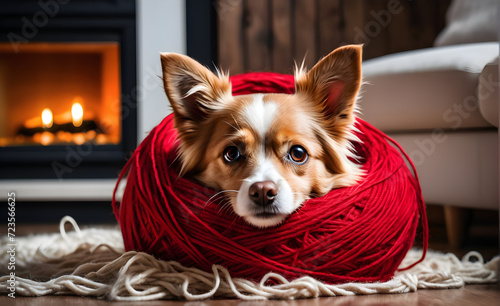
(92,262)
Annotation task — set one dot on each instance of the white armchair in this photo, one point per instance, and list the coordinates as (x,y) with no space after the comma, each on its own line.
(441,104)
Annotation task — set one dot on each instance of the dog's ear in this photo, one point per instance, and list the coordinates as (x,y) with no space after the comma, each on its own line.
(333,84)
(193,90)
(194,93)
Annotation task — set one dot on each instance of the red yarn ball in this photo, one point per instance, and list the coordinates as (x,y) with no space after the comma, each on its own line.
(359,233)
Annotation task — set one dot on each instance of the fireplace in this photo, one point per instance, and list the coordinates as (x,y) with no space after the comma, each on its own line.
(67,88)
(60,94)
(63,152)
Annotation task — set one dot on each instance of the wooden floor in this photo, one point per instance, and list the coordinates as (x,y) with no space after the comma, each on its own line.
(487,295)
(482,237)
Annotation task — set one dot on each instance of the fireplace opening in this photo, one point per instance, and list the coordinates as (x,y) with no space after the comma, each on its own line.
(68,90)
(54,94)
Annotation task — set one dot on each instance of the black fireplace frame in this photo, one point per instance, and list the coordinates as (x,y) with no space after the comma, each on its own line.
(75,21)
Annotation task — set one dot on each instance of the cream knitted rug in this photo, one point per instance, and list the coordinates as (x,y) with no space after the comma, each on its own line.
(92,262)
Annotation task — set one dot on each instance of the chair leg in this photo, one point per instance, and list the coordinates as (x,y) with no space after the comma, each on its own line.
(455,225)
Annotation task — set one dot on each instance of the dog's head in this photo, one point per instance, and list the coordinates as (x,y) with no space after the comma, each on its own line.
(268,152)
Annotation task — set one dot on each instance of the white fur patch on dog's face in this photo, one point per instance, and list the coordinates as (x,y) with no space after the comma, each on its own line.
(259,116)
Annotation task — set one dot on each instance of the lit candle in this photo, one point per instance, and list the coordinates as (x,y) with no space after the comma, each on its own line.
(47,118)
(77,114)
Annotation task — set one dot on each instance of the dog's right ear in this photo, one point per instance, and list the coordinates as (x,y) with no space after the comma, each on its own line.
(193,90)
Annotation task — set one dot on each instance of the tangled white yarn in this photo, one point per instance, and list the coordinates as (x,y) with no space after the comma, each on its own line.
(92,262)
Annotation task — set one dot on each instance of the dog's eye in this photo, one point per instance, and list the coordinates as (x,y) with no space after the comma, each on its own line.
(231,154)
(298,155)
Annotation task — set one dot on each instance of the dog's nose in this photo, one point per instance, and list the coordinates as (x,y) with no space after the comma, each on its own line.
(263,193)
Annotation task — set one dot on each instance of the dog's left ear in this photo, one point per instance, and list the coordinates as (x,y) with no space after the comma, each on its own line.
(333,84)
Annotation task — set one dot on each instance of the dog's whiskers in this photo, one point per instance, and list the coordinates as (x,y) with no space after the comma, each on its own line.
(226,205)
(218,193)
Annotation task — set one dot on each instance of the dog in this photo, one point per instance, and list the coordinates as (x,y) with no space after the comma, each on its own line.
(268,152)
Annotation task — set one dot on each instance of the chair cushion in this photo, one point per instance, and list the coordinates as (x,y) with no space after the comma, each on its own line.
(488,93)
(426,89)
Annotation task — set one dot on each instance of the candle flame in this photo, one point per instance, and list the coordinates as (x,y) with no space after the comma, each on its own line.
(47,118)
(77,114)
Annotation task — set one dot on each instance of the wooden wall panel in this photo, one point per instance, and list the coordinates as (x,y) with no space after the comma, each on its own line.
(305,42)
(282,59)
(353,21)
(269,35)
(400,29)
(257,35)
(377,39)
(329,26)
(231,44)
